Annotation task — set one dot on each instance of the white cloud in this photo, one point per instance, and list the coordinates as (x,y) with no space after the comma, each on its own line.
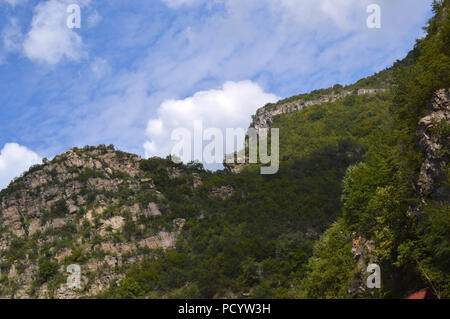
(49,39)
(231,106)
(12,37)
(14,160)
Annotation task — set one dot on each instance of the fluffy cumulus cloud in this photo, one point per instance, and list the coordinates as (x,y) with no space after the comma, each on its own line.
(231,106)
(50,39)
(14,160)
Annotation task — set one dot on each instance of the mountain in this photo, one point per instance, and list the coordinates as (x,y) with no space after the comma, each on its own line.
(82,207)
(181,229)
(363,179)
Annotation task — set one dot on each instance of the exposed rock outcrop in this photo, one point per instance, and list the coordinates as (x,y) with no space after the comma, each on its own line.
(432,140)
(223,192)
(363,252)
(234,163)
(265,115)
(94,207)
(196,180)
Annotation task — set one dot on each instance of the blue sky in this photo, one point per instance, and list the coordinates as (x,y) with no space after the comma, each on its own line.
(136,70)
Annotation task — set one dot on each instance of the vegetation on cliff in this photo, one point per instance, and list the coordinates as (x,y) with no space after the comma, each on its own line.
(381,199)
(346,193)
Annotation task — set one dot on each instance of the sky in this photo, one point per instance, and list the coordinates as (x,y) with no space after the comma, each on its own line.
(136,70)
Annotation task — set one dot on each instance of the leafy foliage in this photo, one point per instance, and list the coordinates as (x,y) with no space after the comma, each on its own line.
(378,197)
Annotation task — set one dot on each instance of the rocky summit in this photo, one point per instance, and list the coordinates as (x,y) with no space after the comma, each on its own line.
(92,206)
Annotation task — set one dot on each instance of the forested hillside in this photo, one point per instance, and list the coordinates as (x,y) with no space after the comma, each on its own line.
(261,243)
(257,242)
(383,197)
(360,181)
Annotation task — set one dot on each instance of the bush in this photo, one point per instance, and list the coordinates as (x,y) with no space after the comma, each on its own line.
(47,269)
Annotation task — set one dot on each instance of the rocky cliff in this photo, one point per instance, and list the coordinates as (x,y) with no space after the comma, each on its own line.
(264,116)
(433,139)
(94,207)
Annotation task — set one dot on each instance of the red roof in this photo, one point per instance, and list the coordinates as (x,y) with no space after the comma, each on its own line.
(425,293)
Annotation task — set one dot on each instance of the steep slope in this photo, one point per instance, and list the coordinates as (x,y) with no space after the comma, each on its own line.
(257,242)
(91,206)
(114,214)
(265,116)
(398,199)
(363,178)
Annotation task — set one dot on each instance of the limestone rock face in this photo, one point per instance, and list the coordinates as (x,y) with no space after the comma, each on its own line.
(197,181)
(235,163)
(223,192)
(93,207)
(431,141)
(153,209)
(363,252)
(114,224)
(265,115)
